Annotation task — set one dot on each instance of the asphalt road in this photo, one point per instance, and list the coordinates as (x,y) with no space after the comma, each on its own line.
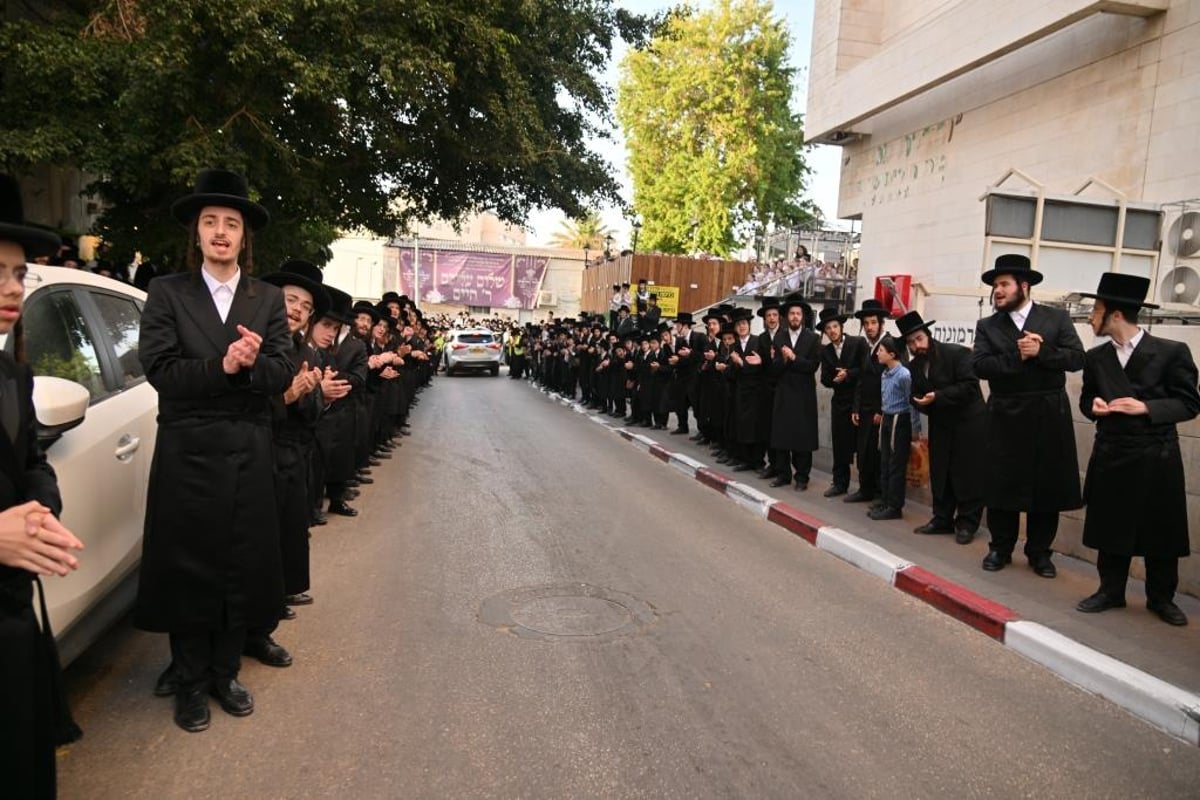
(528,607)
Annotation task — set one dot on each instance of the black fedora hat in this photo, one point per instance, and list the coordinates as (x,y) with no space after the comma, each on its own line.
(34,241)
(220,187)
(727,328)
(1129,290)
(662,327)
(306,275)
(872,308)
(1013,264)
(830,314)
(368,308)
(912,322)
(742,314)
(391,297)
(768,304)
(712,313)
(340,307)
(685,317)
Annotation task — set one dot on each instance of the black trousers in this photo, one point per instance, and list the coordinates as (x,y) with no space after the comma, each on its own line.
(798,460)
(868,455)
(1040,529)
(842,431)
(1162,576)
(963,513)
(207,656)
(895,442)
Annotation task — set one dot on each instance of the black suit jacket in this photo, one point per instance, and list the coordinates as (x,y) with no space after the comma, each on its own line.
(854,349)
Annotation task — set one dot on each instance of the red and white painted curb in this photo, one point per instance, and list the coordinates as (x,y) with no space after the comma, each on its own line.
(1163,705)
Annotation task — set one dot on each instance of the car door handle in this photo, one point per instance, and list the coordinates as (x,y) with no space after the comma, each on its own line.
(127,445)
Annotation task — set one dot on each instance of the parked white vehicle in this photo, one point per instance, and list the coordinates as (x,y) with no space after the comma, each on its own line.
(96,418)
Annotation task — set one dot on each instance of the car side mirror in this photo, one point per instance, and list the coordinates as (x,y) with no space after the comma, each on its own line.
(59,404)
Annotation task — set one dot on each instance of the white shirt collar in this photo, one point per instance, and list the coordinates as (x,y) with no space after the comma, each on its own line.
(212,283)
(1020,315)
(1125,351)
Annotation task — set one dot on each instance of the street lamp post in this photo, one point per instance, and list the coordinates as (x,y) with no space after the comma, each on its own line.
(637,228)
(608,247)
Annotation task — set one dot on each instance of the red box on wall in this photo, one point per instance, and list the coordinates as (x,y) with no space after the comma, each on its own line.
(895,292)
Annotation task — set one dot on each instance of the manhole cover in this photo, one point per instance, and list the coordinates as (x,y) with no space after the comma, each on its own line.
(574,611)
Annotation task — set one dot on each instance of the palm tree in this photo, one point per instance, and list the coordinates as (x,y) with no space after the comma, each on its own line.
(585,233)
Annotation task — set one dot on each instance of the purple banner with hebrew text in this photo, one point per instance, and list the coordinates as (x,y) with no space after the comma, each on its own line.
(462,277)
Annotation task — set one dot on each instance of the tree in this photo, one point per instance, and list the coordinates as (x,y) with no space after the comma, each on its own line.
(584,233)
(715,151)
(341,113)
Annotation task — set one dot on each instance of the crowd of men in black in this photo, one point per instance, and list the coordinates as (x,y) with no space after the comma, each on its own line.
(754,402)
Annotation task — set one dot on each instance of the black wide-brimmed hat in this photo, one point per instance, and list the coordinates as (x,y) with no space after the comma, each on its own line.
(1013,264)
(830,314)
(34,241)
(368,308)
(742,314)
(912,322)
(727,328)
(872,308)
(684,317)
(767,304)
(1128,290)
(662,327)
(220,187)
(306,275)
(712,313)
(340,306)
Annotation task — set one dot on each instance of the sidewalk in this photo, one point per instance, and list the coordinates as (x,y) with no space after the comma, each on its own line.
(950,578)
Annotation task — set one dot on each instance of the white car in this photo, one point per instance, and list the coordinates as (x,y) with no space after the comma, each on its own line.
(474,348)
(96,419)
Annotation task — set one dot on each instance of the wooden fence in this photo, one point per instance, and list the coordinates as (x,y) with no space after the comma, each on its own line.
(701,282)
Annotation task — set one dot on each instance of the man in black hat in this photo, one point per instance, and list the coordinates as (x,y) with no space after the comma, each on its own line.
(946,390)
(649,318)
(214,344)
(867,412)
(689,352)
(1137,388)
(797,354)
(710,384)
(749,360)
(1024,351)
(343,359)
(626,325)
(770,311)
(841,365)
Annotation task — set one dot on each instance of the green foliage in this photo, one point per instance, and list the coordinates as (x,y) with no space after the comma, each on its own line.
(585,233)
(715,151)
(341,113)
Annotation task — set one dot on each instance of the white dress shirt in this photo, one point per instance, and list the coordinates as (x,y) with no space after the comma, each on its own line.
(1125,351)
(222,293)
(1020,315)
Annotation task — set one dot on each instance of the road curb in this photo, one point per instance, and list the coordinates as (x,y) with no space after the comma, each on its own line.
(1163,705)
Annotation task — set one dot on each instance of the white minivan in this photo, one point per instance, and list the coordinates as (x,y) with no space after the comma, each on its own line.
(96,419)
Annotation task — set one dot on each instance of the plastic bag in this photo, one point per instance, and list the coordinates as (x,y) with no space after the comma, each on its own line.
(918,463)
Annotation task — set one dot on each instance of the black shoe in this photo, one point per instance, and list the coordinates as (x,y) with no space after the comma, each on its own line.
(679,431)
(1042,565)
(191,710)
(933,527)
(353,483)
(801,486)
(381,455)
(780,480)
(766,472)
(373,462)
(964,536)
(886,512)
(697,436)
(405,432)
(724,460)
(268,651)
(233,698)
(834,491)
(704,441)
(744,468)
(628,420)
(287,613)
(878,504)
(341,509)
(319,518)
(1168,612)
(858,497)
(301,599)
(1099,602)
(995,561)
(168,682)
(362,472)
(351,494)
(364,480)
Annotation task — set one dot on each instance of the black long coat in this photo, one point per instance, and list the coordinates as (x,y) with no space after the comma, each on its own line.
(210,555)
(852,359)
(957,419)
(751,425)
(295,439)
(794,418)
(1032,464)
(30,694)
(1136,505)
(337,428)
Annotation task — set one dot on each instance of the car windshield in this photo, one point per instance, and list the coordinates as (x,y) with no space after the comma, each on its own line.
(475,338)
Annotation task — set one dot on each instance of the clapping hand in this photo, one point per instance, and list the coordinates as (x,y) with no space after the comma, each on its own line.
(241,352)
(788,353)
(753,359)
(333,387)
(32,539)
(1029,345)
(1125,405)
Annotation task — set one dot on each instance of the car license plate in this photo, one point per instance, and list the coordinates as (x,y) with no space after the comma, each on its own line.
(476,349)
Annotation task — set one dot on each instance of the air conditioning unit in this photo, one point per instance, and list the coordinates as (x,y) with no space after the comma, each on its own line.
(547,299)
(1180,283)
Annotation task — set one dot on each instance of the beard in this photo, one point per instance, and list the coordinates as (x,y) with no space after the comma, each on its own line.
(1013,301)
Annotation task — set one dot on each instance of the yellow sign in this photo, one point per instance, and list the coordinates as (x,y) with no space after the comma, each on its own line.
(668,300)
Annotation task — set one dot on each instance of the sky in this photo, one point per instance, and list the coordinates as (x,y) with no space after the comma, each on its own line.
(824,160)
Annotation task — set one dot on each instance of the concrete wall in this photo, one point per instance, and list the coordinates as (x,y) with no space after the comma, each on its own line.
(1111,96)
